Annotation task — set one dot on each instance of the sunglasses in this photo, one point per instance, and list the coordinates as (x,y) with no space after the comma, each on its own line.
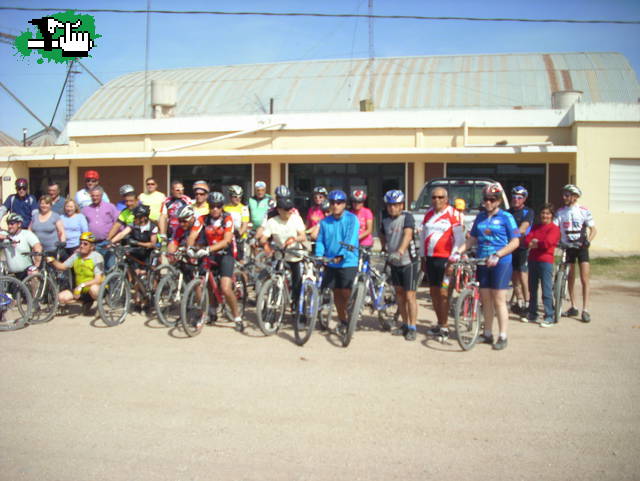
(216,206)
(91,180)
(490,199)
(567,194)
(517,196)
(437,197)
(183,221)
(332,202)
(201,193)
(85,243)
(13,222)
(151,183)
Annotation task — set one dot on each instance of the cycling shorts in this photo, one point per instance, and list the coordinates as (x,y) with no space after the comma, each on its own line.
(434,270)
(406,276)
(339,278)
(519,260)
(580,253)
(225,265)
(497,277)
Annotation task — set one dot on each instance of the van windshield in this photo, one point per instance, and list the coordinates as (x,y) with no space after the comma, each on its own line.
(468,189)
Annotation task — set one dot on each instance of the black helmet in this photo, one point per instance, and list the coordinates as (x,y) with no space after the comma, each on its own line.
(282,191)
(215,198)
(141,210)
(285,203)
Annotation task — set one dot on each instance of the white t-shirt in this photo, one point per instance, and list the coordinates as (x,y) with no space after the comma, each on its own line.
(25,240)
(281,230)
(83,198)
(573,221)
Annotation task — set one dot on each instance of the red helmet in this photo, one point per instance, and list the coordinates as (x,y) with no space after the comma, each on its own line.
(92,174)
(358,196)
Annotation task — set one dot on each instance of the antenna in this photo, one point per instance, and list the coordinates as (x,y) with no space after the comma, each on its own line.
(371,64)
(71,93)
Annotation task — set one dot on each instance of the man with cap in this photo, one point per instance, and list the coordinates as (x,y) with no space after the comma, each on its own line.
(91,180)
(259,204)
(21,203)
(23,241)
(126,217)
(200,193)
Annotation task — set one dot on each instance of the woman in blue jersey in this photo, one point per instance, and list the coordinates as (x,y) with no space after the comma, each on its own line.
(496,234)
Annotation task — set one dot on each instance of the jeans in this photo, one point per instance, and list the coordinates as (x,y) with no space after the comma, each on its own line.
(541,272)
(109,258)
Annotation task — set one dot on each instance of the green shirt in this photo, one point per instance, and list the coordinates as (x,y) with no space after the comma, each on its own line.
(258,210)
(126,217)
(86,269)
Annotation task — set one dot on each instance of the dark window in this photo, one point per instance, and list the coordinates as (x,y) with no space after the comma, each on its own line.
(219,177)
(41,177)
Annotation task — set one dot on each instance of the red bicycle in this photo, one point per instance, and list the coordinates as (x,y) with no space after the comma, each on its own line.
(194,307)
(468,309)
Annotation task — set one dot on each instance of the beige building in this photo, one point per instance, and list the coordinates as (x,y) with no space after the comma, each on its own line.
(517,119)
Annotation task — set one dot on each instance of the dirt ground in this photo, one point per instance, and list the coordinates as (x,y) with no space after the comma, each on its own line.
(85,402)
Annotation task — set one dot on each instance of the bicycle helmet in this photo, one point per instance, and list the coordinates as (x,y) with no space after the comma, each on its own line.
(285,203)
(202,185)
(91,174)
(141,210)
(460,204)
(88,236)
(394,196)
(22,183)
(519,190)
(572,189)
(235,191)
(127,189)
(13,217)
(320,190)
(215,198)
(337,196)
(492,190)
(358,196)
(260,184)
(186,212)
(283,191)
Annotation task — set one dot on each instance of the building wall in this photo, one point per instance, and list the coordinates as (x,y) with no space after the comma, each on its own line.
(598,143)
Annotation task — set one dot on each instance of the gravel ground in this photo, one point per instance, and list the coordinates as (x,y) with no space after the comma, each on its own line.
(84,402)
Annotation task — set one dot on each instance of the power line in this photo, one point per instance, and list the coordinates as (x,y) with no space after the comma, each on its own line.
(329,15)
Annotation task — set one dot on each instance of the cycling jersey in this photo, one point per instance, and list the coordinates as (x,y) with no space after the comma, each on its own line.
(258,210)
(364,215)
(126,217)
(86,269)
(314,215)
(493,233)
(170,208)
(525,214)
(211,231)
(441,231)
(392,229)
(23,206)
(143,233)
(22,242)
(180,236)
(573,222)
(334,231)
(239,213)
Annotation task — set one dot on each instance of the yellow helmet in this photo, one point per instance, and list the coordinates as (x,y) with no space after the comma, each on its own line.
(460,204)
(88,236)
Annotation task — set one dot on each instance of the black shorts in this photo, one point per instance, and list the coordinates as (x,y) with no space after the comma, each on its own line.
(519,260)
(406,276)
(580,253)
(240,248)
(339,278)
(225,264)
(435,267)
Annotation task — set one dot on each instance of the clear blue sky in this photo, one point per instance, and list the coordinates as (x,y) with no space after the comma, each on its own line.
(200,40)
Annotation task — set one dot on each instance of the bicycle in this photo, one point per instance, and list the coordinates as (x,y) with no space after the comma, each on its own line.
(123,280)
(43,286)
(560,281)
(171,287)
(15,299)
(356,300)
(194,307)
(274,294)
(468,311)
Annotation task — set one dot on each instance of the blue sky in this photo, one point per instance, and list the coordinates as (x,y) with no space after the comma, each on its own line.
(187,41)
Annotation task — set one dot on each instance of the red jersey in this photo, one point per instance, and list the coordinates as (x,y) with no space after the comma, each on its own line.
(170,208)
(437,231)
(211,231)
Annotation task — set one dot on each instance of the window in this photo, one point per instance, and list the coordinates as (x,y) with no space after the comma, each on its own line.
(624,185)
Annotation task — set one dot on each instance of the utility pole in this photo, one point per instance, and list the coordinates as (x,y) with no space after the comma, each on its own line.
(371,64)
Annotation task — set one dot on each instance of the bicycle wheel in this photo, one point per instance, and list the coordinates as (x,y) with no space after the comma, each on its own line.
(15,304)
(270,307)
(160,272)
(467,320)
(354,308)
(306,313)
(44,293)
(559,286)
(166,301)
(239,285)
(114,298)
(194,307)
(325,308)
(388,314)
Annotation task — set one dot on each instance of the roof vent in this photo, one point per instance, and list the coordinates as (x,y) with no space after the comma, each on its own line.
(163,98)
(564,99)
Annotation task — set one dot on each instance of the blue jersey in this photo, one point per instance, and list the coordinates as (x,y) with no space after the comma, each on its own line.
(493,233)
(332,232)
(22,206)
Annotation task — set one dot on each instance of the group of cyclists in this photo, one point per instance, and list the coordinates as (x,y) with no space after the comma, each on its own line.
(78,234)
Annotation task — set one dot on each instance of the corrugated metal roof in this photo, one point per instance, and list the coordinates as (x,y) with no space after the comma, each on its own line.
(6,140)
(438,82)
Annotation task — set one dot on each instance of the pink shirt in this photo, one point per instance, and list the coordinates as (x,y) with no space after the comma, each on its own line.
(364,215)
(314,216)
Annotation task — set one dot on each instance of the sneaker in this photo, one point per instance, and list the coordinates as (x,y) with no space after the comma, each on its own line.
(436,330)
(586,317)
(410,335)
(399,331)
(86,308)
(530,318)
(342,328)
(239,326)
(501,344)
(213,316)
(547,323)
(515,308)
(571,312)
(482,339)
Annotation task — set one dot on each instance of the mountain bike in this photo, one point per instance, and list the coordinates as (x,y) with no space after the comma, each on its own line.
(171,287)
(15,298)
(274,295)
(560,281)
(44,287)
(194,307)
(468,309)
